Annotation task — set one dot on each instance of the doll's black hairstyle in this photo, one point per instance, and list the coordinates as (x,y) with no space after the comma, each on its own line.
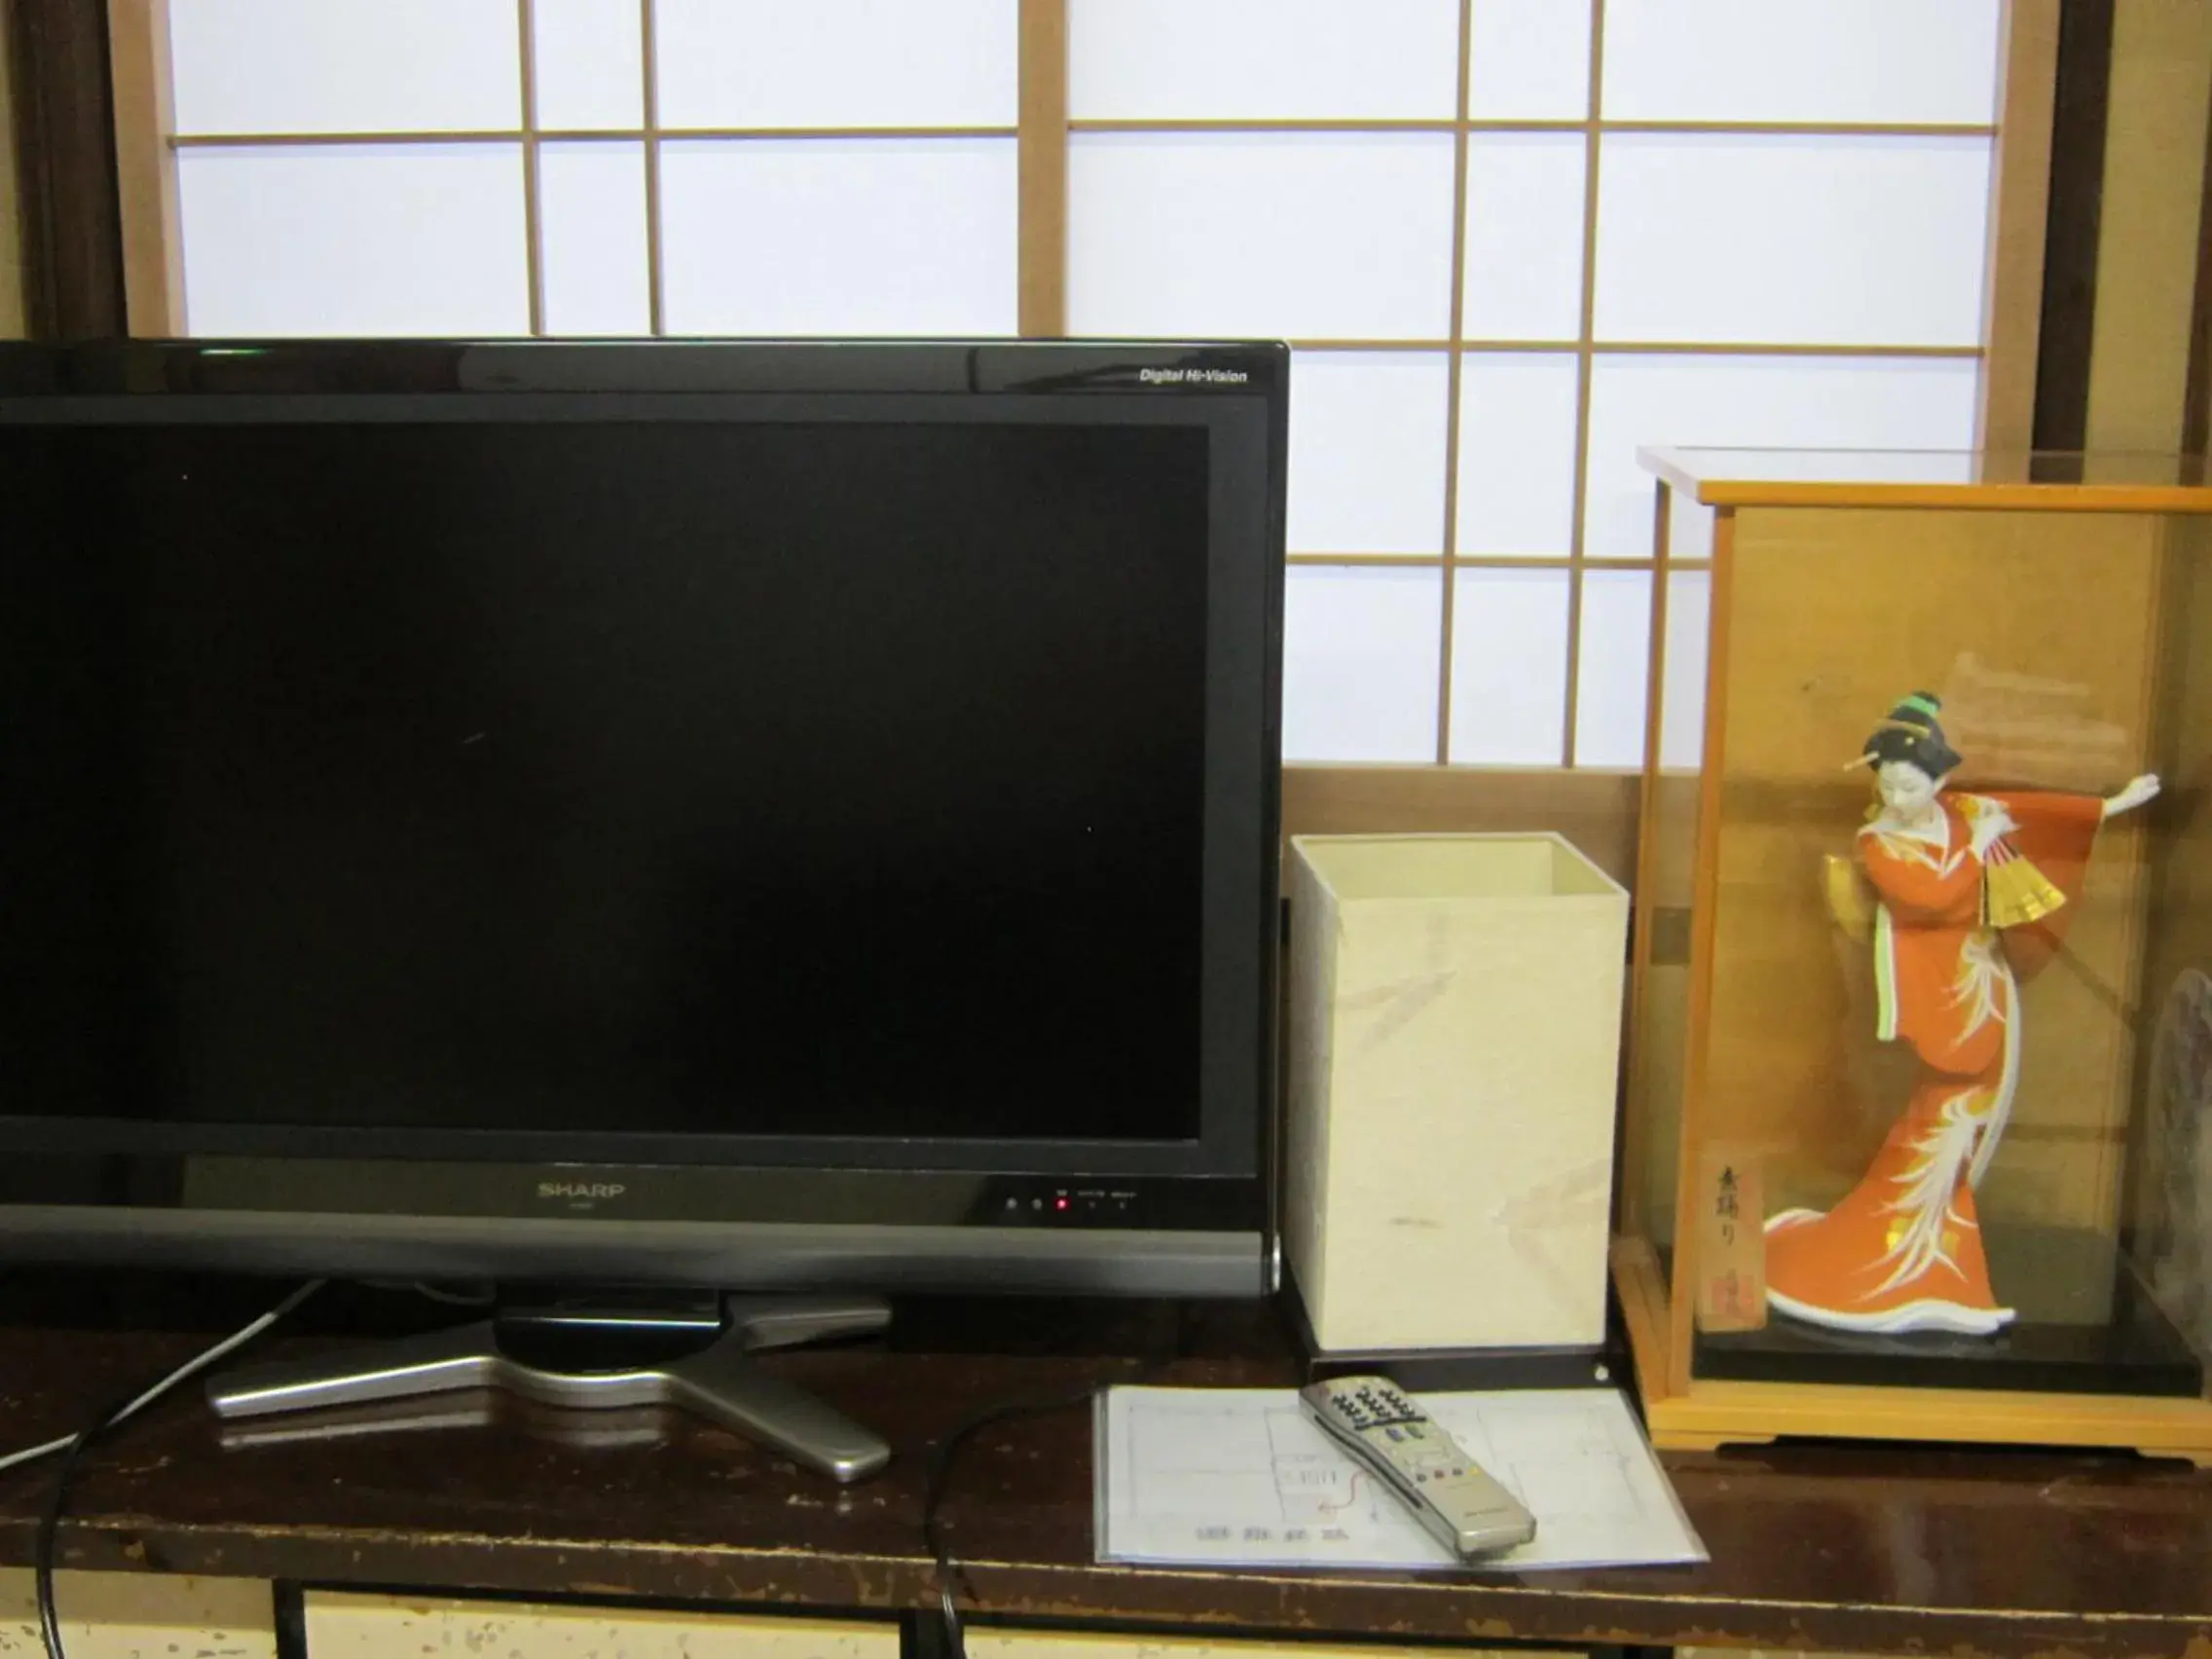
(1913,733)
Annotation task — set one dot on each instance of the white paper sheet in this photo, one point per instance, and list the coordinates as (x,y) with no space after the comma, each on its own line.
(1237,1477)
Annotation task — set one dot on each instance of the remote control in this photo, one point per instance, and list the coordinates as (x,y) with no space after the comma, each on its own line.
(1449,1493)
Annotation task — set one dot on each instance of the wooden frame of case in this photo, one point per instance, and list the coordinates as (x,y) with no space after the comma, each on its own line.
(1684,1411)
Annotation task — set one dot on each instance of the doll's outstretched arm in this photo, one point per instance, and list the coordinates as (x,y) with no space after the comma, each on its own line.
(2139,791)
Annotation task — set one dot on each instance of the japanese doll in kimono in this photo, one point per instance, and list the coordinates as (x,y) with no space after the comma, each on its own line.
(1969,897)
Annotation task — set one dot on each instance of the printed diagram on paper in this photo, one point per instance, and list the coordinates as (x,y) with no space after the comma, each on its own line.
(1239,1477)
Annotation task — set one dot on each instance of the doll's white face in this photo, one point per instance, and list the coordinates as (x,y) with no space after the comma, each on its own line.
(1908,795)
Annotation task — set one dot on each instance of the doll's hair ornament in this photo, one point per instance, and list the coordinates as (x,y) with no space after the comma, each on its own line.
(1913,732)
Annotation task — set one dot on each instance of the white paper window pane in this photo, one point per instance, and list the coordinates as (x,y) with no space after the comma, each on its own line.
(1359,664)
(1612,681)
(1682,709)
(1509,668)
(1524,276)
(590,65)
(1805,60)
(592,225)
(1833,241)
(1313,236)
(1777,402)
(1367,452)
(1517,420)
(1529,60)
(345,66)
(837,62)
(413,238)
(1261,60)
(1689,525)
(832,235)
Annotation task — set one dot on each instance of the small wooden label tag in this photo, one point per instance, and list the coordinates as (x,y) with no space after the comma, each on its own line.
(1731,1243)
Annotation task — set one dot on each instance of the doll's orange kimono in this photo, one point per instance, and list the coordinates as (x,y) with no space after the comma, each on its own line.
(1967,908)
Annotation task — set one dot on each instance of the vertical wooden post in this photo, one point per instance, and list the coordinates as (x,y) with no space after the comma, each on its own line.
(532,195)
(656,280)
(2196,413)
(2019,183)
(1705,900)
(1585,385)
(145,166)
(2148,242)
(72,248)
(1446,613)
(1630,1174)
(15,310)
(1041,137)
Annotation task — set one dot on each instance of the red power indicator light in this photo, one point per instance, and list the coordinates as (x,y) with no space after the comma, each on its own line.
(1059,1203)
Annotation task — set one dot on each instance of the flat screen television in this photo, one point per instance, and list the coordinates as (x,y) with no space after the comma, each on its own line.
(749,815)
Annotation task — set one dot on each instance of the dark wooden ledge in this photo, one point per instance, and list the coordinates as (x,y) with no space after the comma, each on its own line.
(1955,1553)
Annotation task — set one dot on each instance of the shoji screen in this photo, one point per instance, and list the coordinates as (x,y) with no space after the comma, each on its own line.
(596,166)
(1512,239)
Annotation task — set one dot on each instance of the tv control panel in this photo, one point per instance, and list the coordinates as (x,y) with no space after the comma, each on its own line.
(1076,1204)
(650,1193)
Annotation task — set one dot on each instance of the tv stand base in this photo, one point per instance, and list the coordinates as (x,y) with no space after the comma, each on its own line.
(719,1381)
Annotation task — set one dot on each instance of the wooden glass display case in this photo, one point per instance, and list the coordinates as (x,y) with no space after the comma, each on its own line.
(1916,1143)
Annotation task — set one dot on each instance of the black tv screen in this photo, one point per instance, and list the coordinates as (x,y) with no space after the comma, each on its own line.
(756,778)
(798,757)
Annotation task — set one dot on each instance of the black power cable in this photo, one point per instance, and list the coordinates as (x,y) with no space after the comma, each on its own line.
(49,1522)
(940,1478)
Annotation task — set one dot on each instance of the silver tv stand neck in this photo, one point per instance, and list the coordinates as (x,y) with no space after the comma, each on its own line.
(718,1380)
